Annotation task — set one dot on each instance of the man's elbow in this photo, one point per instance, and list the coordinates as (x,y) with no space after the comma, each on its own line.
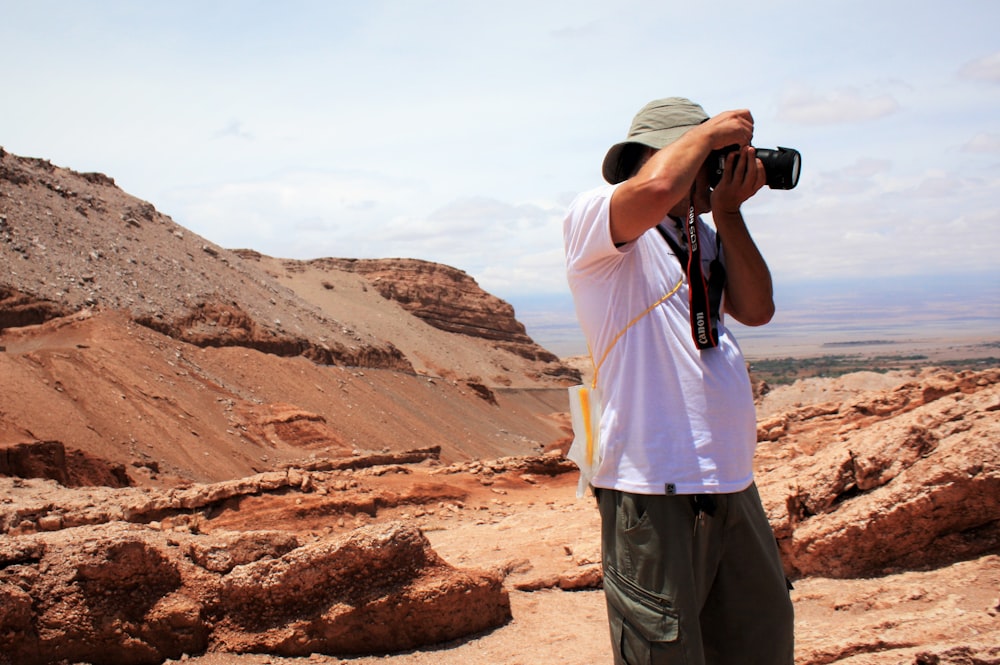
(755,316)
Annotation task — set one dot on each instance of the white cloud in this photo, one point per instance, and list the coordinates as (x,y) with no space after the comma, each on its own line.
(986,68)
(985,142)
(858,178)
(297,213)
(894,225)
(847,105)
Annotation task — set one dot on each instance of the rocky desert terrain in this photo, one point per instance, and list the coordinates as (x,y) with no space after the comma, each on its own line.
(219,457)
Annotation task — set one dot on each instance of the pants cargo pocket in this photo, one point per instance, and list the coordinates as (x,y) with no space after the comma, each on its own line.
(645,628)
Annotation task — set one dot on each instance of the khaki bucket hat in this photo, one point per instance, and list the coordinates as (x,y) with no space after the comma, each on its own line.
(657,125)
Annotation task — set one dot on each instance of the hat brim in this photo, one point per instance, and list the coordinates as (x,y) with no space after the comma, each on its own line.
(619,162)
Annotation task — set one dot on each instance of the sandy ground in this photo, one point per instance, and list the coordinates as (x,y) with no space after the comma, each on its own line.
(550,626)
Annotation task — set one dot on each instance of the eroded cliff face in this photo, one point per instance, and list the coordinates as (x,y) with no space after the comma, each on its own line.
(449,300)
(444,297)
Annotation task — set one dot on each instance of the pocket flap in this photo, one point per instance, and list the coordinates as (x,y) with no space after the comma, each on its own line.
(649,613)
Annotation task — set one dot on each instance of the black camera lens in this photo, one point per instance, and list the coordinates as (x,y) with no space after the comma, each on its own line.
(781,166)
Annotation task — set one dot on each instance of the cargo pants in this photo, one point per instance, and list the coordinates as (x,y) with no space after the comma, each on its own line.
(694,580)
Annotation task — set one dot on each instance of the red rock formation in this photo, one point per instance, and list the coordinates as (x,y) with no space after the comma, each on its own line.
(19,309)
(902,479)
(50,459)
(447,299)
(444,297)
(131,594)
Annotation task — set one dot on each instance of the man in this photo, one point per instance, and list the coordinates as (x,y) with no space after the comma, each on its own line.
(691,569)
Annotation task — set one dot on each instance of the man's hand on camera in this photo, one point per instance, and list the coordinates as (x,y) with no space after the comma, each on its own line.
(729,128)
(742,177)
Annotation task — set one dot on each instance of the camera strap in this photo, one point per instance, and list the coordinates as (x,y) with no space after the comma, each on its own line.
(704,295)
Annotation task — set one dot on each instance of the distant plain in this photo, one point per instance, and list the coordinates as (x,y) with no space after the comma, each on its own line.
(939,318)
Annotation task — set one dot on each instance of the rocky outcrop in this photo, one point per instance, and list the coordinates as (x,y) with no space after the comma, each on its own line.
(330,484)
(444,297)
(552,463)
(215,324)
(51,460)
(450,300)
(896,480)
(126,593)
(20,309)
(136,575)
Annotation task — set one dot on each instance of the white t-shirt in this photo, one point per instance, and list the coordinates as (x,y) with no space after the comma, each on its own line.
(674,419)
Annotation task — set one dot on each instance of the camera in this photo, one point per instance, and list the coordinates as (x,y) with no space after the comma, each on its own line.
(781,165)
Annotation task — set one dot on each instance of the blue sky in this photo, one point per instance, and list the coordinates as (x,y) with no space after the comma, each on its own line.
(458,131)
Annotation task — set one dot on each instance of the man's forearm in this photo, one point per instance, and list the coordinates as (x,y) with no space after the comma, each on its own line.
(749,291)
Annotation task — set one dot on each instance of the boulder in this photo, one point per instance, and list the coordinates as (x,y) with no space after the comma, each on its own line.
(128,593)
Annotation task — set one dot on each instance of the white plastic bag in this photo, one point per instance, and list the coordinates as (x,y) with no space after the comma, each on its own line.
(586,451)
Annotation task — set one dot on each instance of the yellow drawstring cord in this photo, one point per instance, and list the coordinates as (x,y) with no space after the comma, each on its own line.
(584,394)
(597,367)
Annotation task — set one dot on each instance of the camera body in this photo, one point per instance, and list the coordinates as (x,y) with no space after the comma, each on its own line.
(781,165)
